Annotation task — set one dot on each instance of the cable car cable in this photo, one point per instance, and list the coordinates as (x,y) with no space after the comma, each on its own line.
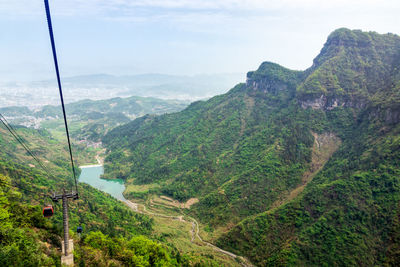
(23,143)
(53,46)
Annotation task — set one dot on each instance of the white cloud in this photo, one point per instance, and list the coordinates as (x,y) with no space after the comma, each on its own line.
(241,4)
(119,8)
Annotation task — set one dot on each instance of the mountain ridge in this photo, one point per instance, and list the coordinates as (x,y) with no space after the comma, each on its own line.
(368,61)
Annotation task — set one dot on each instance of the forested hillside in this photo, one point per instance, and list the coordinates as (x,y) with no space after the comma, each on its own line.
(296,167)
(113,235)
(90,119)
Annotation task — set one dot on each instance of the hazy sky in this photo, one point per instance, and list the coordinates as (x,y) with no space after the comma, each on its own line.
(176,36)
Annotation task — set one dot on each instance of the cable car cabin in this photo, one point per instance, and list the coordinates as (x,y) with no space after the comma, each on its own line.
(79,229)
(48,211)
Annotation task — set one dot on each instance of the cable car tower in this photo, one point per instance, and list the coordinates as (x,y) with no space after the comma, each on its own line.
(64,197)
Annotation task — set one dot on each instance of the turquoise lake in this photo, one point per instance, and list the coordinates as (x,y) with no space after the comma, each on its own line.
(91,176)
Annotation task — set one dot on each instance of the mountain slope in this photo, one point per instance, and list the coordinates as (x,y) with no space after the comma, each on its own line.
(248,157)
(113,235)
(346,215)
(217,143)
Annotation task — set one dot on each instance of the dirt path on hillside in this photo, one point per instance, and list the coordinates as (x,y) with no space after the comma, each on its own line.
(99,159)
(324,146)
(195,225)
(194,230)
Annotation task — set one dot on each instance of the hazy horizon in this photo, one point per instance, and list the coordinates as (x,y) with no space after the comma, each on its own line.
(104,86)
(124,75)
(181,37)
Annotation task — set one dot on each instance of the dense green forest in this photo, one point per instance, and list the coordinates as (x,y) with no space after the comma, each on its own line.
(251,157)
(113,235)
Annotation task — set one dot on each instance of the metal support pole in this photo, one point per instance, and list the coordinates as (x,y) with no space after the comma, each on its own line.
(65,222)
(67,258)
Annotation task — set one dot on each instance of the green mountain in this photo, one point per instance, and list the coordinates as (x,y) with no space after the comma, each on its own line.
(290,168)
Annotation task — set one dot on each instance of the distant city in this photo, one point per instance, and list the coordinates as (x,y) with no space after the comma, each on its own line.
(102,86)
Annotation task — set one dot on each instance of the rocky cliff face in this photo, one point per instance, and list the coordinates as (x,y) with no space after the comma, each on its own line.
(353,70)
(273,81)
(324,102)
(266,86)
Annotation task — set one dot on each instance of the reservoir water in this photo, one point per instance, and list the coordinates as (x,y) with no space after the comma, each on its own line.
(91,176)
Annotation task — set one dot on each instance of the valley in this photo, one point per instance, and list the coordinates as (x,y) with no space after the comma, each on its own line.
(172,219)
(171,223)
(288,168)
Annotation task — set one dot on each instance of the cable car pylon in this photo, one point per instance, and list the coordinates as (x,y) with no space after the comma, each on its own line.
(64,197)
